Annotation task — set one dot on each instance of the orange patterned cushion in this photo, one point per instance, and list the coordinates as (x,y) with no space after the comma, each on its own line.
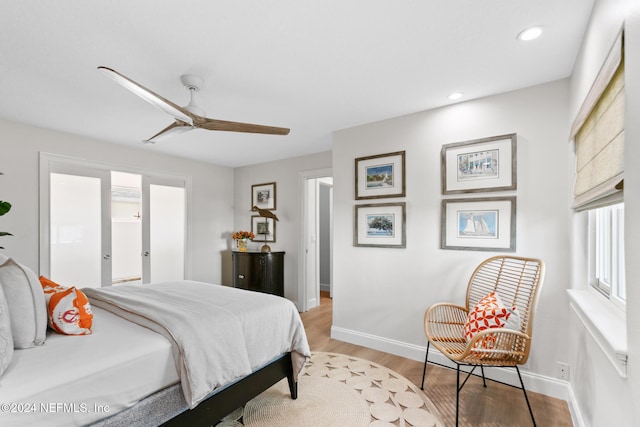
(490,313)
(68,308)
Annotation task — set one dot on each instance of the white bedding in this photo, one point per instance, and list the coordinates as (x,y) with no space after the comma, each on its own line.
(76,380)
(218,333)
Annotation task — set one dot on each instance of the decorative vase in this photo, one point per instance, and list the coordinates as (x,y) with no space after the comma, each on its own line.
(241,245)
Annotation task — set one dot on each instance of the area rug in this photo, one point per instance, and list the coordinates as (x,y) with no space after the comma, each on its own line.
(339,390)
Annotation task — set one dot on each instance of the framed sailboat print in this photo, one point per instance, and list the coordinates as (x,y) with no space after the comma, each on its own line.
(479,224)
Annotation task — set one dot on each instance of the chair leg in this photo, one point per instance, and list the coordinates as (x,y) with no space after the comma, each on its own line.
(457,391)
(484,382)
(525,396)
(424,370)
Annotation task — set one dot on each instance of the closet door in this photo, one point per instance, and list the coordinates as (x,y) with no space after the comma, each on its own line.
(100,227)
(78,231)
(163,229)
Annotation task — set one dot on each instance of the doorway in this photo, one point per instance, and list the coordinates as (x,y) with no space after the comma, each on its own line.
(102,227)
(315,266)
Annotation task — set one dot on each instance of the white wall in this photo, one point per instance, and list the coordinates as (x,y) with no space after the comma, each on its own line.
(380,295)
(211,214)
(286,174)
(632,205)
(602,396)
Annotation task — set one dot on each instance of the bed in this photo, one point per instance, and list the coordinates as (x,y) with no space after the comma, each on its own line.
(128,372)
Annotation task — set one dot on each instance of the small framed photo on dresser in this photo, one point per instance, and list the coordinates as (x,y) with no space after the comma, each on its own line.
(263,228)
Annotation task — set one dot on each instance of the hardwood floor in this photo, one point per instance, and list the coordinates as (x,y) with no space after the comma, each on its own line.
(494,406)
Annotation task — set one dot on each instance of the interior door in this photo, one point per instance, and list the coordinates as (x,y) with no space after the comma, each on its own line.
(163,229)
(86,224)
(79,226)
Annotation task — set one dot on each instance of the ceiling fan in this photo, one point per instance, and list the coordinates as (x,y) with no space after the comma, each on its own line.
(189,117)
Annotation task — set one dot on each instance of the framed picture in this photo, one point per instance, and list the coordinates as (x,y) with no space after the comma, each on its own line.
(380,225)
(487,164)
(482,224)
(263,196)
(263,228)
(380,176)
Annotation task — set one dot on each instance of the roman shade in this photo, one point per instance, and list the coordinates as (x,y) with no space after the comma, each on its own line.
(598,132)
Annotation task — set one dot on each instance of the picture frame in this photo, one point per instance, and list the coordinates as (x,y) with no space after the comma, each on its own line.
(487,164)
(381,225)
(259,225)
(263,196)
(379,176)
(479,224)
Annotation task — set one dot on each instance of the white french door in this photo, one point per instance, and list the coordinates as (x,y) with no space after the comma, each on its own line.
(101,227)
(163,229)
(79,224)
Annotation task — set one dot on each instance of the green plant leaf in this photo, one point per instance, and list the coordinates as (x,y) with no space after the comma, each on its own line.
(4,233)
(4,207)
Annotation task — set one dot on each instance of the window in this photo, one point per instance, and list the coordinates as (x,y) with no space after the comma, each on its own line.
(606,252)
(599,137)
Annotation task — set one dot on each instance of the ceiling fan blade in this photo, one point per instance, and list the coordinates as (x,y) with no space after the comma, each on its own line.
(212,124)
(175,128)
(153,98)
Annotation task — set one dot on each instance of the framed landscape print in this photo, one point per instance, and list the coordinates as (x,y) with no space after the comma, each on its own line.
(380,225)
(380,176)
(263,228)
(482,224)
(487,164)
(263,196)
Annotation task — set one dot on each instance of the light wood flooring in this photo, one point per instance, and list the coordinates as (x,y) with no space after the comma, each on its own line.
(493,406)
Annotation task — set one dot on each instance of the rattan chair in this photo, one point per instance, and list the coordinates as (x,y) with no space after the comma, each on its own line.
(518,281)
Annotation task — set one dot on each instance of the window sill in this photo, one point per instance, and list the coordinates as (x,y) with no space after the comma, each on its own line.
(606,324)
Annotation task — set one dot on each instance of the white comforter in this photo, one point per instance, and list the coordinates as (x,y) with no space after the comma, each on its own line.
(218,333)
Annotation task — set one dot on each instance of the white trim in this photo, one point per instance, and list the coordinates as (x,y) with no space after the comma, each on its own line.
(605,323)
(549,386)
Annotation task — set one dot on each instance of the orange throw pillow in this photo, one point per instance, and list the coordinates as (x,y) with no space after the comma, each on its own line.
(490,313)
(68,309)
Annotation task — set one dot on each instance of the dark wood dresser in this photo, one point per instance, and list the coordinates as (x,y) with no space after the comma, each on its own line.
(259,271)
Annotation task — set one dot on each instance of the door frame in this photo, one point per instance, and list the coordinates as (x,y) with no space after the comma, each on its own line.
(304,233)
(50,161)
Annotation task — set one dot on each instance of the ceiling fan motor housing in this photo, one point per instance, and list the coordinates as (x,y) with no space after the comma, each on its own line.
(191,81)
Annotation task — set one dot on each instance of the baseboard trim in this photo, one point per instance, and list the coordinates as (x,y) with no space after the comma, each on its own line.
(535,382)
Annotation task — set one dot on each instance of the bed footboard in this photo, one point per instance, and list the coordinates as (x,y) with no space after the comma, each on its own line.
(225,401)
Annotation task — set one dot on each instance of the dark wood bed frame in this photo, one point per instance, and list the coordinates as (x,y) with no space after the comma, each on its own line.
(216,407)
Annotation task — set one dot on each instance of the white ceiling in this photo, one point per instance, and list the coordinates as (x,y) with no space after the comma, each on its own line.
(314,66)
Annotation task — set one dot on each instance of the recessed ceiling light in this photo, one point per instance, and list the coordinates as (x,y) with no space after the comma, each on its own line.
(455,95)
(530,33)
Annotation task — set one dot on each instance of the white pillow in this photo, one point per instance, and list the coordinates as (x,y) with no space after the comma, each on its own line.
(6,340)
(27,307)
